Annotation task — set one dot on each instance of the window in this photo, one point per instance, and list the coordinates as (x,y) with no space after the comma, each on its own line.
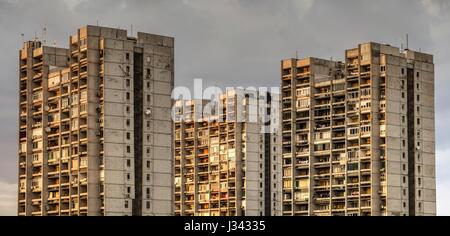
(419,193)
(128,122)
(322,135)
(148,84)
(338,87)
(418,121)
(418,86)
(128,135)
(404,179)
(304,92)
(403,94)
(148,204)
(127,82)
(128,176)
(417,74)
(148,164)
(148,124)
(127,56)
(129,163)
(418,98)
(148,137)
(353,95)
(148,177)
(128,70)
(365,92)
(148,150)
(148,98)
(126,204)
(404,143)
(303,103)
(148,73)
(403,71)
(128,189)
(128,96)
(353,131)
(404,167)
(128,149)
(127,109)
(419,169)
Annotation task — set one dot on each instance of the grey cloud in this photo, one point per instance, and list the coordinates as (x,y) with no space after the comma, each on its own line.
(8,203)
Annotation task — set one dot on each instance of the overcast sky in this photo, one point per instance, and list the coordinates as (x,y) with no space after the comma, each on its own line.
(230,43)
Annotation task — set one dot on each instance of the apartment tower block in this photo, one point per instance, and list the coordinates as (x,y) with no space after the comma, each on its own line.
(95,126)
(226,163)
(358,137)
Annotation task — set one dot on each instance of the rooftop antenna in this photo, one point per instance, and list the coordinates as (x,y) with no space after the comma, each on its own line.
(296,55)
(131,30)
(44,34)
(407,42)
(35,37)
(22,36)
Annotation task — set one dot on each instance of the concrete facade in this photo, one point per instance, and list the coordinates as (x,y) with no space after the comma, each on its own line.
(104,127)
(220,165)
(358,138)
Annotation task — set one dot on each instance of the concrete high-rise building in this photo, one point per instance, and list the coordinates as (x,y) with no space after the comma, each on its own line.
(95,125)
(227,162)
(358,137)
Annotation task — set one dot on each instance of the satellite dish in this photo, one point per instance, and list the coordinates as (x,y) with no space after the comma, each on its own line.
(148,112)
(46,108)
(48,129)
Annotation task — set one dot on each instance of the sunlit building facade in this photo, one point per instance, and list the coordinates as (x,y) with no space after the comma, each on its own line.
(358,137)
(95,126)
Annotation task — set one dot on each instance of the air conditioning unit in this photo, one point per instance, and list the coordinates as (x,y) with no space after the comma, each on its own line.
(47,108)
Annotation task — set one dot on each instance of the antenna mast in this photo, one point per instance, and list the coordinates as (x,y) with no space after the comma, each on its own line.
(407,42)
(44,34)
